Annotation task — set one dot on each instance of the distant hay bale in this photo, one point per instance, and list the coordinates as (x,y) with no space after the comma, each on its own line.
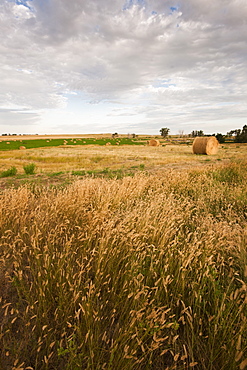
(108,144)
(153,142)
(8,142)
(22,147)
(205,145)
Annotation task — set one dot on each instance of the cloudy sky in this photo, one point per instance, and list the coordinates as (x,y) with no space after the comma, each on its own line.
(126,66)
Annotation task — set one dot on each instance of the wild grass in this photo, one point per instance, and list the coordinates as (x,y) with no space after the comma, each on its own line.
(145,272)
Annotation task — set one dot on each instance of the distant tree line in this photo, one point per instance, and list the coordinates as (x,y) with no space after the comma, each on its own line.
(196,133)
(240,136)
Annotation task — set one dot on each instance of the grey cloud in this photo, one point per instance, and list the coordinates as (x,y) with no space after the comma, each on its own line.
(111,51)
(12,119)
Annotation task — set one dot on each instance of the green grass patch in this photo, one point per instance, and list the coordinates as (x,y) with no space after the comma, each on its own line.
(29,168)
(10,172)
(232,174)
(39,143)
(107,173)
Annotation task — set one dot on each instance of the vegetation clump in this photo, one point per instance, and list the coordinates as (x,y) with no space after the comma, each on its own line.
(10,172)
(29,168)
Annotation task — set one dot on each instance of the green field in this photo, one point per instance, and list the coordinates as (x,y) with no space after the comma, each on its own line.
(40,143)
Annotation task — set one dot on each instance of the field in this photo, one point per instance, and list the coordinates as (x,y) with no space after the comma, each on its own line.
(123,257)
(83,156)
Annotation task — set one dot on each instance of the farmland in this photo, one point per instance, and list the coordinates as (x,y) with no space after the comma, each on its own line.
(123,257)
(56,162)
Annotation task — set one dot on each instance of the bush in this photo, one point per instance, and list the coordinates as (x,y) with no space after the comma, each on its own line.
(29,169)
(221,138)
(10,172)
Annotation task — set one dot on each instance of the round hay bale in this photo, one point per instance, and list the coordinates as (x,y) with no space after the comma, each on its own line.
(22,147)
(154,142)
(205,145)
(107,144)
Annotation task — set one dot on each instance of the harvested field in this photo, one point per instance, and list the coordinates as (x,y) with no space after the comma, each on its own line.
(93,157)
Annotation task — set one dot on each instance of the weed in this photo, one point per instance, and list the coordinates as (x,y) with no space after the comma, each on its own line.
(54,174)
(10,172)
(142,166)
(79,173)
(29,169)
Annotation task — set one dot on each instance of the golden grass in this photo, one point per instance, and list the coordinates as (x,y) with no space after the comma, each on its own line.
(140,273)
(69,158)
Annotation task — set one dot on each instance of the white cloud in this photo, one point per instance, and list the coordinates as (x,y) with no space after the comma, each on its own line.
(181,63)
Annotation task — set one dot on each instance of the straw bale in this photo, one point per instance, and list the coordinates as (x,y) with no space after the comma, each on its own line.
(205,145)
(22,147)
(154,142)
(108,143)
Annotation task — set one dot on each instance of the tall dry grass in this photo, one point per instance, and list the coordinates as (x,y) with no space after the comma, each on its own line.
(140,273)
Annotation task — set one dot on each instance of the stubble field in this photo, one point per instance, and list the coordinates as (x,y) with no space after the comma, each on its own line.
(132,258)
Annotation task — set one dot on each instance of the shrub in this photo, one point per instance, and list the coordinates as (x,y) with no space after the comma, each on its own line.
(221,138)
(29,169)
(10,172)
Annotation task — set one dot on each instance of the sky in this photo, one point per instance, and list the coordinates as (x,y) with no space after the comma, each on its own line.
(126,66)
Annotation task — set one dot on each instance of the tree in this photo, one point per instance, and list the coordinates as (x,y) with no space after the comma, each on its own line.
(233,132)
(241,136)
(164,131)
(197,133)
(221,138)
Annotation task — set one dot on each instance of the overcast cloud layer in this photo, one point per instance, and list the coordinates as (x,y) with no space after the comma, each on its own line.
(127,66)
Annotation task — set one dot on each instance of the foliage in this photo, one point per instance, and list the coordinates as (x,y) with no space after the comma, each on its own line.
(221,138)
(10,172)
(29,168)
(234,132)
(164,131)
(195,133)
(139,273)
(241,136)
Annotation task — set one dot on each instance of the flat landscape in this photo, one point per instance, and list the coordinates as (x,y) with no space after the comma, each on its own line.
(59,159)
(122,256)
